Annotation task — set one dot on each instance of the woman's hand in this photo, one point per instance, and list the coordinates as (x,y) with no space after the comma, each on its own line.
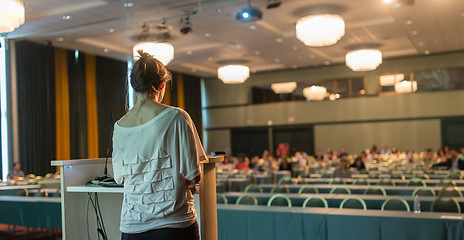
(190,184)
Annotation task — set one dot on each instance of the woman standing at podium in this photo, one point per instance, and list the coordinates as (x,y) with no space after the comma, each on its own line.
(157,152)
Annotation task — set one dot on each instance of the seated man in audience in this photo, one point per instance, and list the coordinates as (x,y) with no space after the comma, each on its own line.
(343,152)
(385,151)
(428,155)
(16,172)
(358,165)
(453,162)
(241,165)
(342,171)
(319,156)
(462,154)
(254,164)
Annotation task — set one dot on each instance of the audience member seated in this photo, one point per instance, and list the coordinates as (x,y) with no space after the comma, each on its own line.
(453,162)
(242,165)
(254,163)
(395,151)
(429,156)
(441,155)
(16,172)
(284,163)
(269,162)
(342,171)
(319,156)
(343,152)
(300,159)
(358,164)
(462,154)
(228,164)
(385,151)
(411,156)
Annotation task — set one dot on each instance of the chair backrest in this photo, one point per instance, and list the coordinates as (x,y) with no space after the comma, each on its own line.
(326,175)
(49,176)
(279,200)
(337,181)
(447,182)
(424,191)
(397,176)
(221,198)
(454,175)
(395,204)
(450,191)
(340,190)
(30,176)
(280,189)
(308,189)
(285,180)
(375,190)
(386,182)
(41,193)
(361,181)
(353,202)
(253,188)
(315,201)
(446,204)
(22,192)
(246,199)
(416,182)
(58,194)
(424,176)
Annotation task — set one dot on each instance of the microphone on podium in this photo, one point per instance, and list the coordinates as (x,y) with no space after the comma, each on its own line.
(106,180)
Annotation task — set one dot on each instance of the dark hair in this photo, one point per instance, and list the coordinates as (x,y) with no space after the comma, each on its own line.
(148,74)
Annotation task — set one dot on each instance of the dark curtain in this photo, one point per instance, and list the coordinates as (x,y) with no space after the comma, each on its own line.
(111,97)
(36,106)
(77,105)
(192,94)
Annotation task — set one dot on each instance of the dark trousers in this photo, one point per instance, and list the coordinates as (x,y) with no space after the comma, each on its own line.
(189,233)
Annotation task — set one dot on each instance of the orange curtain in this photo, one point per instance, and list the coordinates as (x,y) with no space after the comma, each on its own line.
(63,151)
(91,99)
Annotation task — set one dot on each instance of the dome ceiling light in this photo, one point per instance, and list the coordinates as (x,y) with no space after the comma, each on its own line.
(315,93)
(363,59)
(233,74)
(286,87)
(12,15)
(320,30)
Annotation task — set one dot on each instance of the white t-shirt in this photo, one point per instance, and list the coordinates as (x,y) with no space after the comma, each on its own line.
(155,158)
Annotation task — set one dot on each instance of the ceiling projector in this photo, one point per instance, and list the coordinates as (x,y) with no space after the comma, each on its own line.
(249,14)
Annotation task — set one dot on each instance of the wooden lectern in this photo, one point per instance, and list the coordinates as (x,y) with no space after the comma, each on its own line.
(74,199)
(208,208)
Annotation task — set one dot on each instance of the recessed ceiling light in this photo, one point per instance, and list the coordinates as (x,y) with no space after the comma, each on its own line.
(189,52)
(408,22)
(387,1)
(207,34)
(252,27)
(279,40)
(59,39)
(106,50)
(128,4)
(66,17)
(427,52)
(111,30)
(219,10)
(257,53)
(414,33)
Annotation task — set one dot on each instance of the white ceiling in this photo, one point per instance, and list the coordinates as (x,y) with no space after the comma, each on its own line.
(428,26)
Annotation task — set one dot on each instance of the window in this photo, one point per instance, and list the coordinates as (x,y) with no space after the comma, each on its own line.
(422,81)
(336,89)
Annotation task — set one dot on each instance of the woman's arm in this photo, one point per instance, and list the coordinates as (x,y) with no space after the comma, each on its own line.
(191,183)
